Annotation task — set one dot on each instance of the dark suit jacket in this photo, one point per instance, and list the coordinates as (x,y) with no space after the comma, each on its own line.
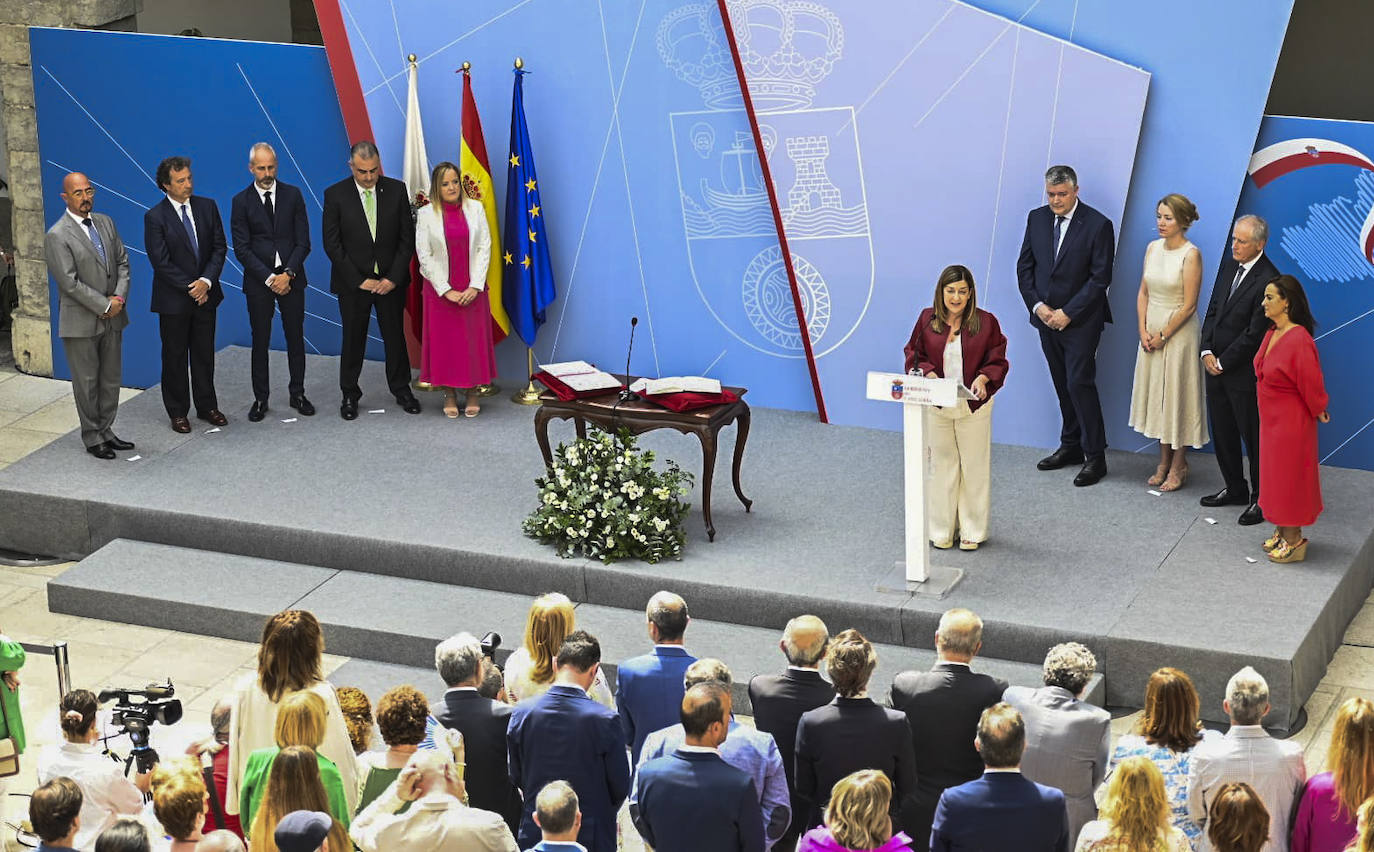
(483,723)
(847,735)
(694,801)
(648,693)
(998,812)
(779,702)
(175,265)
(258,240)
(984,353)
(1233,328)
(349,243)
(1076,281)
(564,734)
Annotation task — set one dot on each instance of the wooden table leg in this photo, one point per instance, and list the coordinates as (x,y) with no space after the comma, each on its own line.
(708,469)
(741,438)
(541,434)
(581,426)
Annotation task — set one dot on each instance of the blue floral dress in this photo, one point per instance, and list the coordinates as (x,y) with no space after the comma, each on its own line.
(1174,767)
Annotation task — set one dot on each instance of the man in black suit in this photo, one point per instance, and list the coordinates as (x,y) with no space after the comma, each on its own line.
(184,238)
(369,235)
(483,724)
(271,240)
(1063,273)
(943,706)
(1231,333)
(780,700)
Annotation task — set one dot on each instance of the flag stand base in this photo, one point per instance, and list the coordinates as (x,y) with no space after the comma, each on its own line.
(423,386)
(530,395)
(490,389)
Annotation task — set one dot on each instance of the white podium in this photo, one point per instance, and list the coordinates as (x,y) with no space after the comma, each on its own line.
(915,574)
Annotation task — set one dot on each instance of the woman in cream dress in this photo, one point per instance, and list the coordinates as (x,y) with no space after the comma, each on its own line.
(530,668)
(1166,401)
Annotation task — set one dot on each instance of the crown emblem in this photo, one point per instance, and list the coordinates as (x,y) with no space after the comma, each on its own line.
(787,47)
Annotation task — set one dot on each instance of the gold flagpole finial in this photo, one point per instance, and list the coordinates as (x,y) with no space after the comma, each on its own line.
(519,63)
(412,59)
(467,66)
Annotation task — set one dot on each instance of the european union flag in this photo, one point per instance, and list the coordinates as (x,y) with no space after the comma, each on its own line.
(527,288)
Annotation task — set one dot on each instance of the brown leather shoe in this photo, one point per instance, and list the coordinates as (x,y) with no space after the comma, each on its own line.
(181,424)
(214,417)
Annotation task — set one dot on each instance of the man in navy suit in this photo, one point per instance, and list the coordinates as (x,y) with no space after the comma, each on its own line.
(1003,809)
(1063,273)
(565,735)
(271,240)
(693,800)
(184,238)
(649,688)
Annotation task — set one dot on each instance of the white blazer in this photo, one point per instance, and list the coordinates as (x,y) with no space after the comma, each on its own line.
(432,248)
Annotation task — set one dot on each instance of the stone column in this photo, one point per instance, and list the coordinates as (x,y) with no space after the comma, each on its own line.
(32,334)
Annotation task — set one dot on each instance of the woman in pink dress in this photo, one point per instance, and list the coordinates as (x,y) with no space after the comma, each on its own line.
(1326,815)
(857,817)
(453,245)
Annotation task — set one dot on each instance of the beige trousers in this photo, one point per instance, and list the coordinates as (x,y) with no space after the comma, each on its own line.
(958,491)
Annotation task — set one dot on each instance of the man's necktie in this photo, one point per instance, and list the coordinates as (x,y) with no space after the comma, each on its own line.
(370,208)
(95,238)
(190,230)
(1058,229)
(1235,283)
(267,205)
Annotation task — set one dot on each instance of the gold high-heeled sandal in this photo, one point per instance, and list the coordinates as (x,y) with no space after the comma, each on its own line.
(1272,541)
(1287,552)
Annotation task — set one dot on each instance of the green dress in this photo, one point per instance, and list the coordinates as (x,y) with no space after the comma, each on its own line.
(11,659)
(254,786)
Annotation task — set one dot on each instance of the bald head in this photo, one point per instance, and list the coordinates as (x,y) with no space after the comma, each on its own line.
(667,616)
(959,636)
(78,193)
(804,641)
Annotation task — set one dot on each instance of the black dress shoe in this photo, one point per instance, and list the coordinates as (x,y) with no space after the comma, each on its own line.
(301,404)
(214,417)
(1251,516)
(349,409)
(117,444)
(409,403)
(101,451)
(257,412)
(1093,470)
(1224,497)
(1062,457)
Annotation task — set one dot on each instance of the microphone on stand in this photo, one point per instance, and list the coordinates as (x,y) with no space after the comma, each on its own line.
(628,395)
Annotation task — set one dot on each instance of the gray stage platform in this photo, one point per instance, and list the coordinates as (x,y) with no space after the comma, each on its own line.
(1143,580)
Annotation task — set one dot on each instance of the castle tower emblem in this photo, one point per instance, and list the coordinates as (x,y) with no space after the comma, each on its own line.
(812,188)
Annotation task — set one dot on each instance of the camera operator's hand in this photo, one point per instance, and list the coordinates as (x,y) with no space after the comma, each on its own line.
(144,781)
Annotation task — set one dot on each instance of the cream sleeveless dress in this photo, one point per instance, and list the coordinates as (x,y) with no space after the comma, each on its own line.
(1167,402)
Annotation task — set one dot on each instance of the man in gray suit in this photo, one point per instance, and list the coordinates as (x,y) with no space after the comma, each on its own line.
(1247,753)
(1068,740)
(87,260)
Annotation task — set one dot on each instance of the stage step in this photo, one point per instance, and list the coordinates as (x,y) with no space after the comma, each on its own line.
(396,620)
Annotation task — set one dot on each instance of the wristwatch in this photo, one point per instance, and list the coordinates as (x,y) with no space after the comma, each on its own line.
(288,272)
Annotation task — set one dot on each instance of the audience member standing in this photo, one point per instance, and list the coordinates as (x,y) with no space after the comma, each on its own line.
(180,802)
(1067,739)
(943,706)
(301,721)
(184,238)
(693,800)
(852,733)
(1231,333)
(357,713)
(1364,829)
(1167,733)
(558,817)
(1273,768)
(529,669)
(1238,820)
(751,751)
(215,749)
(402,714)
(88,261)
(439,818)
(649,688)
(482,722)
(857,817)
(293,785)
(126,835)
(224,841)
(564,735)
(303,831)
(1326,816)
(11,722)
(1003,809)
(1063,272)
(1135,814)
(780,700)
(55,814)
(369,235)
(271,241)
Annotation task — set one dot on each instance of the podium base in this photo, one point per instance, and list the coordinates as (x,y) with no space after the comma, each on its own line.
(939,583)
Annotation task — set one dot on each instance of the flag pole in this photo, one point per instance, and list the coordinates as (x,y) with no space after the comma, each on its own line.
(530,395)
(418,384)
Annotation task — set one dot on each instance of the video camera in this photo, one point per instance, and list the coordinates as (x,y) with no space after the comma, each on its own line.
(490,642)
(136,717)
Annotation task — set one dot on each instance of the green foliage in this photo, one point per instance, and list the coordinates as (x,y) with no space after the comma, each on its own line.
(605,500)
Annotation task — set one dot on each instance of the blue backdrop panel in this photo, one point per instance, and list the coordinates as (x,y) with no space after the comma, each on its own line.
(1315,216)
(155,96)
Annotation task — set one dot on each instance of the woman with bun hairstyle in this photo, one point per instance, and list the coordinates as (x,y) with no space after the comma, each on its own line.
(106,793)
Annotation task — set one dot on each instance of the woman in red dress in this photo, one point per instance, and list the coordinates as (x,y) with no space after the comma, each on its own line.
(1292,399)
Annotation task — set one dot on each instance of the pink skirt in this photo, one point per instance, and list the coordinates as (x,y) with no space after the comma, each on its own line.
(456,350)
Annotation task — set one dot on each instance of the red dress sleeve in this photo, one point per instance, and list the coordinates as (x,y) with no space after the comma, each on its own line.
(1307,375)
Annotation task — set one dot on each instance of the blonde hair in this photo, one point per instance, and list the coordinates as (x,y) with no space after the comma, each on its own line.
(178,797)
(550,621)
(301,719)
(436,179)
(1351,756)
(857,815)
(1136,807)
(357,713)
(1364,830)
(293,784)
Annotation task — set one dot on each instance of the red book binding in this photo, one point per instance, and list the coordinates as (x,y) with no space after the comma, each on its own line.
(566,393)
(686,401)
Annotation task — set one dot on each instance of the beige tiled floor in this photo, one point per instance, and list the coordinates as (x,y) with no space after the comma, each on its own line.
(35,411)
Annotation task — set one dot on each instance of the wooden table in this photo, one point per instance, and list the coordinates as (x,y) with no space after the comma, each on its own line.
(638,417)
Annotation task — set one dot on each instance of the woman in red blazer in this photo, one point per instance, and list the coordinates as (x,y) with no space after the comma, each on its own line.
(953,337)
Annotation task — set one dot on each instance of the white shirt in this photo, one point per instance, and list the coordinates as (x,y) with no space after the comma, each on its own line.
(954,359)
(1247,753)
(262,196)
(436,822)
(699,749)
(107,794)
(1244,270)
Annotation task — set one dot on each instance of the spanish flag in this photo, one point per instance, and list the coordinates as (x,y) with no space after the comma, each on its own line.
(473,163)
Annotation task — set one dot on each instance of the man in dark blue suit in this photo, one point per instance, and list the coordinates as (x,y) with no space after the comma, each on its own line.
(565,735)
(184,238)
(1063,272)
(693,800)
(271,240)
(649,687)
(1003,809)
